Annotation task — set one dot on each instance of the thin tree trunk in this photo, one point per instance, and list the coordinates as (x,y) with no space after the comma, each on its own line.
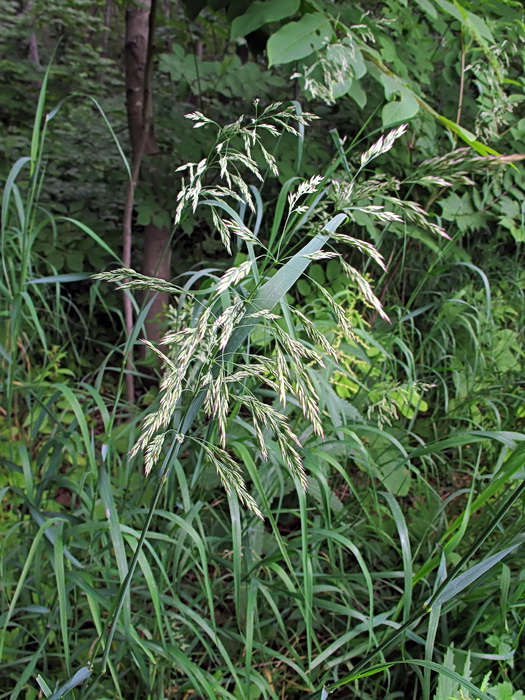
(140,29)
(105,34)
(34,54)
(166,11)
(32,44)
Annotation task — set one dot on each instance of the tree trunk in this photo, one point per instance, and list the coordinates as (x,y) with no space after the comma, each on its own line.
(32,44)
(105,33)
(138,56)
(34,54)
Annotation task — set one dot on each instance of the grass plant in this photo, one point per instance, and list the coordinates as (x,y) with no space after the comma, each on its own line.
(396,573)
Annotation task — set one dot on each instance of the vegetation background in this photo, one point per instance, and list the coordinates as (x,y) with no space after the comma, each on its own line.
(309,481)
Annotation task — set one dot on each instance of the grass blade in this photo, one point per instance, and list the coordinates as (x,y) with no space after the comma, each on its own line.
(79,678)
(432,665)
(454,587)
(8,189)
(58,560)
(404,539)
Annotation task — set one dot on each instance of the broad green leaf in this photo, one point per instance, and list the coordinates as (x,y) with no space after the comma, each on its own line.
(428,7)
(505,691)
(260,13)
(517,232)
(479,28)
(193,7)
(451,9)
(341,88)
(391,83)
(396,478)
(357,93)
(299,39)
(464,580)
(341,54)
(474,24)
(455,206)
(358,62)
(401,110)
(446,686)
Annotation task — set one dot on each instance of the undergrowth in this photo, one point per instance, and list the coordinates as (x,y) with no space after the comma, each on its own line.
(325,497)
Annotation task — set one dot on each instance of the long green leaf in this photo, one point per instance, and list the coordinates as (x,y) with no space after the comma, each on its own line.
(23,575)
(60,279)
(98,240)
(37,126)
(432,665)
(60,577)
(8,188)
(113,134)
(44,686)
(276,288)
(404,539)
(463,580)
(79,678)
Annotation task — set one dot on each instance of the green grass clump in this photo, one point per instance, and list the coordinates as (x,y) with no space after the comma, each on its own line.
(395,573)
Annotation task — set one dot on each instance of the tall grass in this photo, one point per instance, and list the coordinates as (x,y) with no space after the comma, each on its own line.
(52,429)
(382,576)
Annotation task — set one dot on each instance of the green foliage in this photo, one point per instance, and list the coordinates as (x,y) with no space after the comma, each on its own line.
(228,77)
(398,571)
(260,13)
(299,39)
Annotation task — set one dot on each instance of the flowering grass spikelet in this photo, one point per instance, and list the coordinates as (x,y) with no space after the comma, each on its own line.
(363,246)
(227,321)
(233,276)
(230,475)
(365,289)
(383,145)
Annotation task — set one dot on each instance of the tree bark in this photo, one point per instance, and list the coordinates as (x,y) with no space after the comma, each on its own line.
(34,54)
(105,33)
(32,44)
(140,27)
